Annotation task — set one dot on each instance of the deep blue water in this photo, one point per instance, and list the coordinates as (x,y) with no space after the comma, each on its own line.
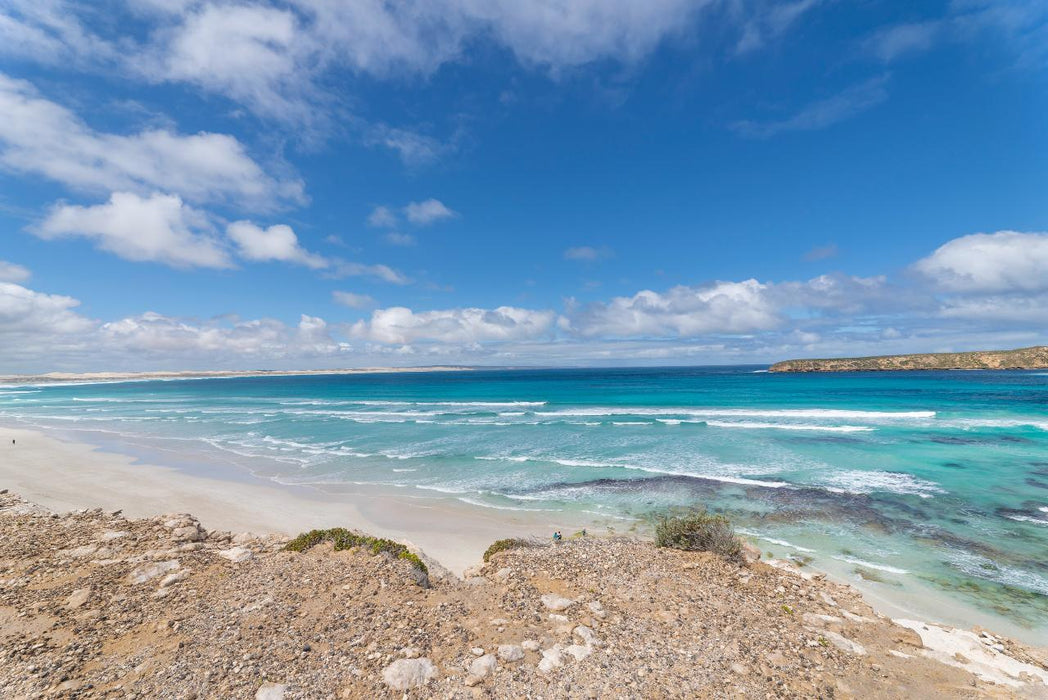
(931,481)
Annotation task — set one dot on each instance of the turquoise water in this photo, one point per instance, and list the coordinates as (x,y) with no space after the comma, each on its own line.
(910,482)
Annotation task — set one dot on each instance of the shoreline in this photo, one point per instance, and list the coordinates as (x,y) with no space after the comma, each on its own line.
(58,378)
(64,473)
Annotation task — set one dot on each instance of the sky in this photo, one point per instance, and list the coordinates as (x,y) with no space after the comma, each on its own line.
(324,184)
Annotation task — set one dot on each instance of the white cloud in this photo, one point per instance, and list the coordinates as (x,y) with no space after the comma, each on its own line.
(217,341)
(385,273)
(822,252)
(24,311)
(41,137)
(276,243)
(382,217)
(823,113)
(990,262)
(723,307)
(414,148)
(399,325)
(353,301)
(427,212)
(892,42)
(771,23)
(159,228)
(404,240)
(587,253)
(10,272)
(254,54)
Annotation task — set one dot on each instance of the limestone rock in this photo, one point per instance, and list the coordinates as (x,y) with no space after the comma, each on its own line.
(144,573)
(270,691)
(843,643)
(510,652)
(551,659)
(557,602)
(78,598)
(484,666)
(405,674)
(236,554)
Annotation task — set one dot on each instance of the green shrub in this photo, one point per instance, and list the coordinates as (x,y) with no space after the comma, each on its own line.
(502,545)
(342,538)
(699,531)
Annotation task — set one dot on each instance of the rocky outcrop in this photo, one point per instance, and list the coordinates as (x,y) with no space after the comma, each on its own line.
(1024,358)
(154,614)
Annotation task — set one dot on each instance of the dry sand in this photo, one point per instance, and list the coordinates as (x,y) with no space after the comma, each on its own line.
(65,476)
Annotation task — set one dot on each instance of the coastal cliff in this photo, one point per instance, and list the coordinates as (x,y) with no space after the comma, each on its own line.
(1023,358)
(95,605)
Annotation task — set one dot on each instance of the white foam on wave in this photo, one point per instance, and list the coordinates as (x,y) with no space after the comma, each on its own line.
(982,567)
(863,482)
(977,423)
(781,543)
(1043,509)
(1028,519)
(825,413)
(871,565)
(482,504)
(751,425)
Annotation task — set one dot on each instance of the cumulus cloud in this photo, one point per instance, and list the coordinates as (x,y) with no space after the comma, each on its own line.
(276,243)
(161,336)
(250,53)
(25,311)
(41,137)
(427,212)
(158,228)
(722,307)
(401,325)
(353,301)
(990,262)
(587,253)
(11,272)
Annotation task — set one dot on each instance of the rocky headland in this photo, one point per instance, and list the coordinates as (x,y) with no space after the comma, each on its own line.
(1023,358)
(95,605)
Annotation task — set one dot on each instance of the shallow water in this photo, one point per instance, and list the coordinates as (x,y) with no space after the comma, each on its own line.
(932,483)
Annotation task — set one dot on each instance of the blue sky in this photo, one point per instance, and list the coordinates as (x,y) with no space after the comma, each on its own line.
(313,183)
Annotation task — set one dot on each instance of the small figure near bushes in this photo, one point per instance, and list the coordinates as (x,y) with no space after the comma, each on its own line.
(699,531)
(557,536)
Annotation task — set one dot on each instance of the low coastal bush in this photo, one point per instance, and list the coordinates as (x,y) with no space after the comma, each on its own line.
(502,545)
(699,531)
(347,539)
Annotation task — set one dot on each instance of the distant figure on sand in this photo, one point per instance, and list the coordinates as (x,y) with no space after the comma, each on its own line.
(556,536)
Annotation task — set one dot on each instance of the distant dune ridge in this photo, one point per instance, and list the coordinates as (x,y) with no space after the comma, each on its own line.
(1024,358)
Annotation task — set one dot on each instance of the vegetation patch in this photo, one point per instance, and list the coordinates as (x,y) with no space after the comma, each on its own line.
(342,538)
(506,544)
(699,531)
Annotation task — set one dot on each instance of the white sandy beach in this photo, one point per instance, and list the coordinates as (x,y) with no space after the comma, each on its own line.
(64,475)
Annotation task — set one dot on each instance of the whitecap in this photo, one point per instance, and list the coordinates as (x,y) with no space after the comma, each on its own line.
(871,565)
(790,426)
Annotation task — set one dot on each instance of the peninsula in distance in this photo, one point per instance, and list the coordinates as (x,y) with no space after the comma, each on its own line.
(1024,358)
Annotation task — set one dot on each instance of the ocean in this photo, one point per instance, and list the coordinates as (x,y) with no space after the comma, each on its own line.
(917,487)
